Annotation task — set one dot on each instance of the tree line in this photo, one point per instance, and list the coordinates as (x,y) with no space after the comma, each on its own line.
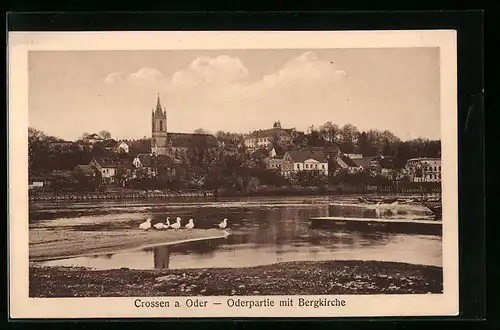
(229,167)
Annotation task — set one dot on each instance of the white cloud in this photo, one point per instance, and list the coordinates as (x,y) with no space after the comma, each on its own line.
(304,69)
(146,76)
(114,77)
(210,85)
(221,70)
(224,79)
(225,75)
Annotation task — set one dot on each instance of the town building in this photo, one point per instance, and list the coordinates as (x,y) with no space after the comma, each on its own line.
(330,151)
(93,138)
(304,160)
(378,165)
(36,183)
(354,156)
(121,147)
(149,164)
(164,143)
(275,157)
(114,146)
(386,166)
(61,145)
(85,170)
(109,168)
(366,163)
(268,138)
(424,169)
(275,160)
(348,164)
(182,142)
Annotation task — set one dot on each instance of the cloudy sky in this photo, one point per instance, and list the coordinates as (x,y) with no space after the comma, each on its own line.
(72,92)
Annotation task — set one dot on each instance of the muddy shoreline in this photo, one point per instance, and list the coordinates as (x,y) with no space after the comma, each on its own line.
(290,278)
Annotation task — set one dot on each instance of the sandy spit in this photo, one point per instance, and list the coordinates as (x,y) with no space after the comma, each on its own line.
(47,244)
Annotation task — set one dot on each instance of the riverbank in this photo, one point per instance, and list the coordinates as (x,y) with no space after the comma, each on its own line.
(261,192)
(338,189)
(114,195)
(290,278)
(46,244)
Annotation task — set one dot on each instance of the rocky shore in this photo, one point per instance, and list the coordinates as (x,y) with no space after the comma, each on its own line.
(291,278)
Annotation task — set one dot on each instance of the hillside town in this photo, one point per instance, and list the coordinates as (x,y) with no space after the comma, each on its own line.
(275,156)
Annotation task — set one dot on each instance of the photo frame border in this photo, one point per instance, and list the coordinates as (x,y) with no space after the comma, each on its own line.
(470,104)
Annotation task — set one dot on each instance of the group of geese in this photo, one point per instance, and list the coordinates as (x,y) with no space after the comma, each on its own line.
(176,225)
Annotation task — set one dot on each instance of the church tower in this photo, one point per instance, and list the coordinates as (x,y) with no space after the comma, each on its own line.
(159,137)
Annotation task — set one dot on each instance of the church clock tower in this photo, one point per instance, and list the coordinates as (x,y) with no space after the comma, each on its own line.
(159,137)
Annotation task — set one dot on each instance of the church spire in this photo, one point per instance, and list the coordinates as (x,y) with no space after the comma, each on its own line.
(158,105)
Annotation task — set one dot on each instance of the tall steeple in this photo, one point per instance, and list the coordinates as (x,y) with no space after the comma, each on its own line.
(158,106)
(159,135)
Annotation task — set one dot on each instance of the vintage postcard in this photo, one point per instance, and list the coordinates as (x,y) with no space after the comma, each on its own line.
(233,174)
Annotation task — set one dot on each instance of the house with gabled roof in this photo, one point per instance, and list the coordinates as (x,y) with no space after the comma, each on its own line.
(110,167)
(365,162)
(85,170)
(346,163)
(274,160)
(93,138)
(383,165)
(304,160)
(268,137)
(108,144)
(121,147)
(151,164)
(112,145)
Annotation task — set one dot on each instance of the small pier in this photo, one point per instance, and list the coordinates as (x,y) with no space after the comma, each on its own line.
(432,227)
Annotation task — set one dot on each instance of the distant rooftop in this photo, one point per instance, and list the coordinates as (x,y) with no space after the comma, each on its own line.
(277,131)
(185,140)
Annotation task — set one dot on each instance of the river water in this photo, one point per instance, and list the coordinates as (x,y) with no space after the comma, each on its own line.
(263,231)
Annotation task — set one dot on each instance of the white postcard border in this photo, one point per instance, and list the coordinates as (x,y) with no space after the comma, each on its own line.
(20,43)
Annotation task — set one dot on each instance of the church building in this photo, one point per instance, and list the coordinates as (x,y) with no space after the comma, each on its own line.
(159,138)
(164,143)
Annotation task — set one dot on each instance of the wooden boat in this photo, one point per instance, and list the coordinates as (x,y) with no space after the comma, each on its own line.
(436,209)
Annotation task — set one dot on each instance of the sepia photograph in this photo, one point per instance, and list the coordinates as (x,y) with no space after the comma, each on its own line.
(307,173)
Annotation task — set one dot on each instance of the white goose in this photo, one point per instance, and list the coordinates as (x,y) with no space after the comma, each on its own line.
(176,225)
(159,225)
(223,224)
(167,223)
(145,225)
(190,224)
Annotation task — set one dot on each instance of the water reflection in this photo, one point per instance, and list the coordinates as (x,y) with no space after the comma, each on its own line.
(161,256)
(261,234)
